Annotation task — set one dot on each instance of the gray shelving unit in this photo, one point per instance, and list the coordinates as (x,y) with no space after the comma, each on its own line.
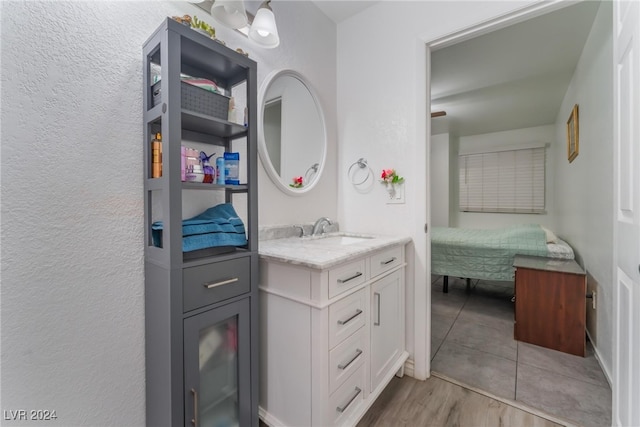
(201,307)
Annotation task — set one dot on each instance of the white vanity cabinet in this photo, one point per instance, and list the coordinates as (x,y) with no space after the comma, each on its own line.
(331,338)
(387,318)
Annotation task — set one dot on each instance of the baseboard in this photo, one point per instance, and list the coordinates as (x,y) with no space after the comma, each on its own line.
(604,368)
(409,368)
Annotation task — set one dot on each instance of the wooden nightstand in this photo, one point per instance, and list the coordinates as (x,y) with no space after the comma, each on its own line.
(550,303)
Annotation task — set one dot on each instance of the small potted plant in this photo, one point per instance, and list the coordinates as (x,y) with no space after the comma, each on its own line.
(203,27)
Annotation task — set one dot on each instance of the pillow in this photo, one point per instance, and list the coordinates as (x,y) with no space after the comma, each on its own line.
(551,237)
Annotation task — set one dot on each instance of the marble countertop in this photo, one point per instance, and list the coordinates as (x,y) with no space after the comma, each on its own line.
(322,252)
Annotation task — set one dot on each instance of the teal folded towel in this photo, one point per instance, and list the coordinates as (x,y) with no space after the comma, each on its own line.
(217,226)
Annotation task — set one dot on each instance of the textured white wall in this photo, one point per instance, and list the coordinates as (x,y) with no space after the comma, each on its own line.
(583,195)
(307,45)
(505,139)
(382,116)
(72,308)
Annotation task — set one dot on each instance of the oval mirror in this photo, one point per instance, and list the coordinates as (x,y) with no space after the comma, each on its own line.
(291,132)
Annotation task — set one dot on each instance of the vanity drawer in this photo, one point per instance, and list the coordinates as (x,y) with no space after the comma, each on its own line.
(346,316)
(346,358)
(347,398)
(385,260)
(345,277)
(210,283)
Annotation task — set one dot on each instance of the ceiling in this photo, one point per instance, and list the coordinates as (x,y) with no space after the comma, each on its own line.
(338,11)
(512,78)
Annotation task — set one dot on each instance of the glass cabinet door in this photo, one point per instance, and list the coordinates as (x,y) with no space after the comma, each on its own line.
(217,367)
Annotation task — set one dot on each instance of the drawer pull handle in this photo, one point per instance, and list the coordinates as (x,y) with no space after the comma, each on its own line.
(223,282)
(389,261)
(194,420)
(346,365)
(344,322)
(358,274)
(344,408)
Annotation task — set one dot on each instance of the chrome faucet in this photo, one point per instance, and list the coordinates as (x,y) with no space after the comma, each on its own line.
(318,227)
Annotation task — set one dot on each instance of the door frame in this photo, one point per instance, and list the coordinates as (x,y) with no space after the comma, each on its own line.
(421,368)
(626,217)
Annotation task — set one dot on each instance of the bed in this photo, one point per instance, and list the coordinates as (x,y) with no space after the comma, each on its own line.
(488,254)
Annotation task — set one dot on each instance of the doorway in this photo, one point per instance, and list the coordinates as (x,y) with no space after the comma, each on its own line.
(469,308)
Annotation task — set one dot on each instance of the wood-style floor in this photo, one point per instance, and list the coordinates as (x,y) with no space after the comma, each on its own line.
(440,403)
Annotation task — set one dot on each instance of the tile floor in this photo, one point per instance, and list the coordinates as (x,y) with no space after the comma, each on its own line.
(472,342)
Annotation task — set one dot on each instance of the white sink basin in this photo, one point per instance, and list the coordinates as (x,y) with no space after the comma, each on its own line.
(345,240)
(325,251)
(340,239)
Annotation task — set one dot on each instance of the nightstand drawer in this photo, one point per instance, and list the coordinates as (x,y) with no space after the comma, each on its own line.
(385,261)
(346,316)
(210,283)
(345,277)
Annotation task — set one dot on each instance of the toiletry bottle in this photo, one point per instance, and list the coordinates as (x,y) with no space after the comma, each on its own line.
(156,156)
(209,171)
(232,110)
(193,168)
(232,168)
(220,170)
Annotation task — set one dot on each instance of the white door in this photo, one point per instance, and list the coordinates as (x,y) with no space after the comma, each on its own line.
(626,382)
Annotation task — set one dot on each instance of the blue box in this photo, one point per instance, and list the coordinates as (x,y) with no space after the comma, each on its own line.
(231,168)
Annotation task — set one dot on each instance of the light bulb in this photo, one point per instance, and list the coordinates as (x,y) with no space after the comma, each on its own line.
(263,29)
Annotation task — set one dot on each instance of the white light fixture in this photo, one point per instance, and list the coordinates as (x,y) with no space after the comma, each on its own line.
(263,29)
(230,13)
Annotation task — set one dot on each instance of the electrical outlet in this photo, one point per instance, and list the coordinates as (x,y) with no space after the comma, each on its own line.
(396,194)
(593,301)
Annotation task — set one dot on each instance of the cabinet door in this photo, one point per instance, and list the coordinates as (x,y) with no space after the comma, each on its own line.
(386,325)
(217,366)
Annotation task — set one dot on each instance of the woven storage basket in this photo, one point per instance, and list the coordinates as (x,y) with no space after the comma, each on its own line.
(197,100)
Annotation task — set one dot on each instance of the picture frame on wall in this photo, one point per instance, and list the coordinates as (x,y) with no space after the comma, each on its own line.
(573,140)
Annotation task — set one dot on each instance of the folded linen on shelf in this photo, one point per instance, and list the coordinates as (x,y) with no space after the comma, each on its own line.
(205,84)
(217,226)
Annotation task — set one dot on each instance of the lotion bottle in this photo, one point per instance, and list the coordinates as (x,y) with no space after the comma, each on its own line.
(232,110)
(156,156)
(220,170)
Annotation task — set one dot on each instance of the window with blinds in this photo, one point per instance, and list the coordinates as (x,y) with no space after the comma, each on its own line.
(510,181)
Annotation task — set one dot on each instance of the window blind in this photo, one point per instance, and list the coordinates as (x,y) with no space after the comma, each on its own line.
(511,181)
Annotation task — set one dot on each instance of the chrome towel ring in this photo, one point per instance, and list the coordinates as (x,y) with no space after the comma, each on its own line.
(362,164)
(313,169)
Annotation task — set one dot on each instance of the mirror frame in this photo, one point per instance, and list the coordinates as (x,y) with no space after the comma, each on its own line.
(262,146)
